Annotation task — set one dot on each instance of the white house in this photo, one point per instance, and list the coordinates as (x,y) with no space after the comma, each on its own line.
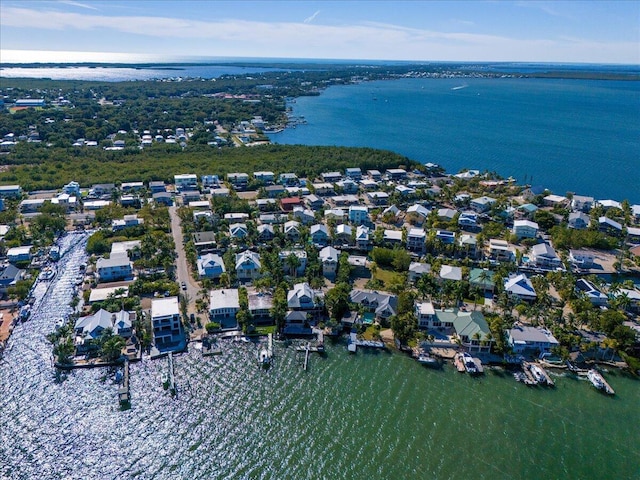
(301,255)
(524,339)
(416,240)
(449,272)
(362,238)
(358,214)
(185,181)
(581,258)
(248,266)
(425,314)
(19,254)
(329,257)
(544,256)
(525,229)
(520,286)
(165,319)
(116,267)
(210,266)
(223,305)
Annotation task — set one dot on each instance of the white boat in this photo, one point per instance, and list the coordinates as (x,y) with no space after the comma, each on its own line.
(59,324)
(47,273)
(598,381)
(25,312)
(263,358)
(538,374)
(426,359)
(469,365)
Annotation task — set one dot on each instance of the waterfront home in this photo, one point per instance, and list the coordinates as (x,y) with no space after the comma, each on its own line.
(288,267)
(590,291)
(609,204)
(248,266)
(543,255)
(482,278)
(378,198)
(635,212)
(224,304)
(555,201)
(354,173)
(210,266)
(425,314)
(292,230)
(358,214)
(449,272)
(166,322)
(417,270)
(102,294)
(416,240)
(19,254)
(530,193)
(533,340)
(384,305)
(578,220)
(130,247)
(521,287)
(265,177)
(580,203)
(609,226)
(260,305)
(581,258)
(363,238)
(468,245)
(265,233)
(9,276)
(329,258)
(304,215)
(470,328)
(125,222)
(319,234)
(116,267)
(633,235)
(482,204)
(238,180)
(304,298)
(296,322)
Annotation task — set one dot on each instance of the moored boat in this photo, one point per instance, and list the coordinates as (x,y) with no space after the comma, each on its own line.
(25,312)
(598,381)
(263,358)
(537,373)
(469,365)
(425,359)
(47,273)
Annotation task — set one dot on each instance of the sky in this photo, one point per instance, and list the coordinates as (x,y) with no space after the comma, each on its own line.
(481,30)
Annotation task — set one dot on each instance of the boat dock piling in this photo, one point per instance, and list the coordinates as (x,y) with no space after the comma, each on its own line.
(306,356)
(172,378)
(124,394)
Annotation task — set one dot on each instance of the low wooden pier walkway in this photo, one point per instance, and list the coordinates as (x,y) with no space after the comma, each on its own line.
(124,393)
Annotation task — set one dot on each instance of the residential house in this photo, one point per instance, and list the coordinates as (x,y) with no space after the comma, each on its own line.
(116,267)
(482,278)
(210,266)
(274,191)
(289,203)
(521,287)
(468,220)
(238,231)
(162,198)
(354,173)
(580,203)
(404,191)
(418,213)
(324,188)
(301,256)
(526,211)
(296,322)
(609,226)
(555,201)
(482,204)
(329,257)
(204,241)
(363,241)
(224,304)
(525,339)
(347,186)
(425,313)
(416,240)
(392,237)
(319,234)
(449,272)
(210,181)
(581,258)
(382,304)
(417,270)
(185,182)
(102,189)
(446,237)
(19,254)
(265,177)
(238,180)
(633,235)
(446,214)
(468,245)
(248,266)
(331,177)
(260,305)
(378,198)
(126,222)
(590,291)
(374,175)
(304,215)
(266,204)
(265,233)
(396,173)
(472,330)
(358,214)
(303,298)
(578,220)
(609,204)
(501,251)
(544,256)
(9,276)
(292,230)
(288,179)
(314,202)
(10,191)
(525,229)
(343,234)
(128,187)
(166,322)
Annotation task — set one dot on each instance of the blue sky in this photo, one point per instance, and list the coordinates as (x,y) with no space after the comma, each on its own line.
(528,31)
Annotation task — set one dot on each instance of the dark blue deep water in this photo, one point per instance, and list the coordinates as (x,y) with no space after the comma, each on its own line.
(566,135)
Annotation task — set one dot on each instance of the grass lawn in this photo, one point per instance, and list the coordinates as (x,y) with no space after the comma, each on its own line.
(372,333)
(386,276)
(266,330)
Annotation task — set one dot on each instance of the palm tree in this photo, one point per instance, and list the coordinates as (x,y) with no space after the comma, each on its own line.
(293,262)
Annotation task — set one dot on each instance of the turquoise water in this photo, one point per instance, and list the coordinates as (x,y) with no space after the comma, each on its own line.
(364,416)
(567,135)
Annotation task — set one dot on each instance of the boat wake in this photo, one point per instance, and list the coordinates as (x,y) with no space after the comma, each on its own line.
(460,87)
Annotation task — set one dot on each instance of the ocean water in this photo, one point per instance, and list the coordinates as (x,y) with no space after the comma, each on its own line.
(363,416)
(566,135)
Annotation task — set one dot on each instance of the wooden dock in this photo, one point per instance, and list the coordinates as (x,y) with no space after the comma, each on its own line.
(171,379)
(478,365)
(306,356)
(124,393)
(547,377)
(459,363)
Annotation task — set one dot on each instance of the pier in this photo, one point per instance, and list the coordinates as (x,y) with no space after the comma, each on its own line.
(171,379)
(355,342)
(124,393)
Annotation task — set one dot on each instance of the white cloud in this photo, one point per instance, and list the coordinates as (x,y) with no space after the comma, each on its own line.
(308,40)
(78,4)
(312,17)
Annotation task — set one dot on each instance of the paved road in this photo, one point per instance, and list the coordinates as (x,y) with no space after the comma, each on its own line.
(182,272)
